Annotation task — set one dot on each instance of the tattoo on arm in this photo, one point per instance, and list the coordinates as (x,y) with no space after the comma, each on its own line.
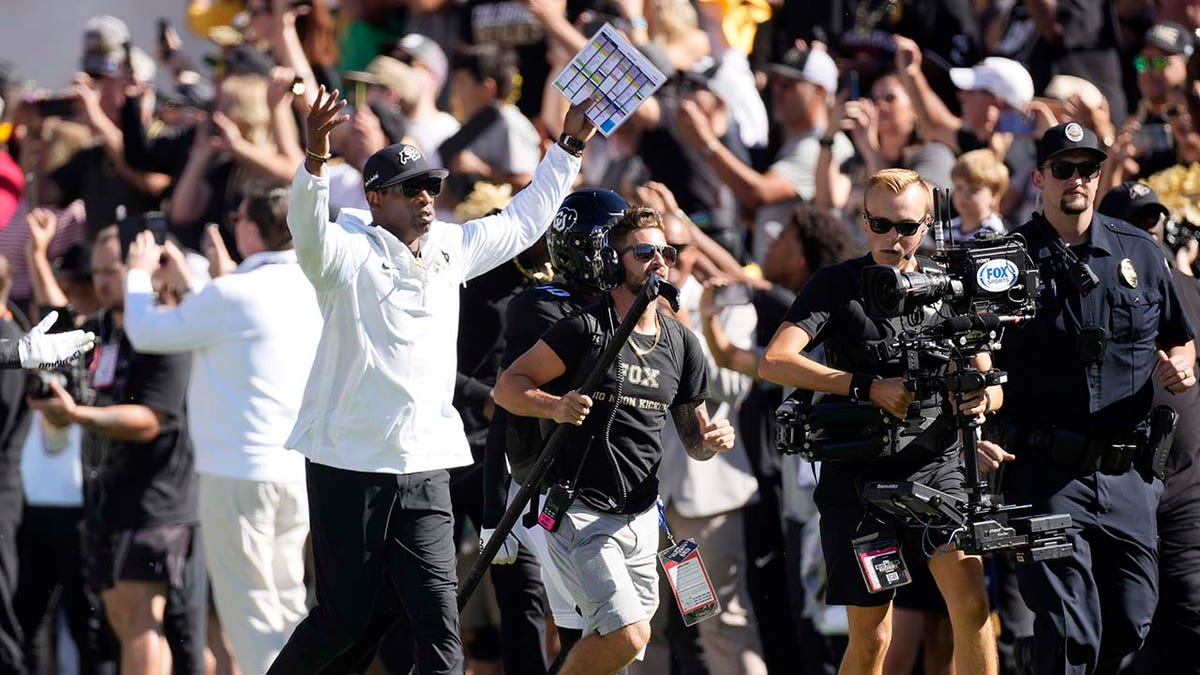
(688,426)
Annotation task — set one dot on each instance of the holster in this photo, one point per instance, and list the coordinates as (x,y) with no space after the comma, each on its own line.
(1152,463)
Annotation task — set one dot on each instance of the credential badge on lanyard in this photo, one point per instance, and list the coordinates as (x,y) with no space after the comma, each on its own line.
(693,590)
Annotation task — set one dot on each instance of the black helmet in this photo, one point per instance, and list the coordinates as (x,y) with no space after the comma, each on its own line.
(579,233)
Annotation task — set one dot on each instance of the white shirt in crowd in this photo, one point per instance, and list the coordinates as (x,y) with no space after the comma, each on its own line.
(380,395)
(252,335)
(725,482)
(51,472)
(429,132)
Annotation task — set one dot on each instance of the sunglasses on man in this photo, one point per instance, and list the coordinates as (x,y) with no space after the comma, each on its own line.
(1145,63)
(1065,170)
(645,252)
(906,228)
(413,187)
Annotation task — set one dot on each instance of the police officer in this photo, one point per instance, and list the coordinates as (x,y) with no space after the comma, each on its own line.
(575,238)
(830,310)
(605,485)
(1080,382)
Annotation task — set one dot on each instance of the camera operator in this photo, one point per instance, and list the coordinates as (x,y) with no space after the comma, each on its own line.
(377,421)
(830,311)
(139,482)
(604,545)
(1081,377)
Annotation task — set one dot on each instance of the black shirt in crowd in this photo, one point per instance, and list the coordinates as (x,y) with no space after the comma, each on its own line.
(617,450)
(130,484)
(91,176)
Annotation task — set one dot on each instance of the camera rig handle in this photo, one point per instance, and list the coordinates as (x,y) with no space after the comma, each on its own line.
(655,287)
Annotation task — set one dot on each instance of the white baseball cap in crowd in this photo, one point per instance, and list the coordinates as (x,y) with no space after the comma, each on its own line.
(811,65)
(1004,78)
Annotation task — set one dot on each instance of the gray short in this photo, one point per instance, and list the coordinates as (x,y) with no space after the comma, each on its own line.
(608,564)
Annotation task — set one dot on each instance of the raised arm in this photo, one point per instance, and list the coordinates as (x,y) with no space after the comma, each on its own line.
(198,322)
(934,120)
(322,248)
(487,242)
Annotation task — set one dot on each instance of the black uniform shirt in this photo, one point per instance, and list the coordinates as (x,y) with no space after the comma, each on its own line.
(620,476)
(1136,306)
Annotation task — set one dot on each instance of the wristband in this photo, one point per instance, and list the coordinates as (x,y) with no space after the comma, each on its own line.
(710,148)
(320,159)
(639,23)
(825,142)
(860,387)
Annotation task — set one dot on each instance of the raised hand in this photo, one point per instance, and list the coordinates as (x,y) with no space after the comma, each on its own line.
(41,350)
(325,114)
(577,123)
(42,226)
(220,262)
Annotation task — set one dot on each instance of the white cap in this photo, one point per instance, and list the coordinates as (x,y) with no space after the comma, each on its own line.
(1004,78)
(812,65)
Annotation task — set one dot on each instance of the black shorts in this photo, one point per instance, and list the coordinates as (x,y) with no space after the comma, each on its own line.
(845,517)
(154,553)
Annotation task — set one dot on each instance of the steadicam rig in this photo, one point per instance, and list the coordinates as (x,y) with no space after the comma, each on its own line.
(977,289)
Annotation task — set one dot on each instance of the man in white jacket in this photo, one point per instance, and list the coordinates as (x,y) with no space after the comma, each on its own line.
(377,422)
(252,335)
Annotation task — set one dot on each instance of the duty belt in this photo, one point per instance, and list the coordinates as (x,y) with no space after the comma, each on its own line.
(1110,454)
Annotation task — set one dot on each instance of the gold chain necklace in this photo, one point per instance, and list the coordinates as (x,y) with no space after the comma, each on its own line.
(657,333)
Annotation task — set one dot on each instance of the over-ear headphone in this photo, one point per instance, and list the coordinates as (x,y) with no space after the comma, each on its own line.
(614,269)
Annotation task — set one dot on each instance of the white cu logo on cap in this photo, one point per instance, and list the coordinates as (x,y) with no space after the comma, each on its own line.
(409,154)
(1074,132)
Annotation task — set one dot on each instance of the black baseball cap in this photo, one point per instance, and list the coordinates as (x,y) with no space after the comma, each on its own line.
(1067,137)
(1132,201)
(396,164)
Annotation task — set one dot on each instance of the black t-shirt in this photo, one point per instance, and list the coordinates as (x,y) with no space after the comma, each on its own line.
(620,476)
(830,308)
(89,175)
(129,484)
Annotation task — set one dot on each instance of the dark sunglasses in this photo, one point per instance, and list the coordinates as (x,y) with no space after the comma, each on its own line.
(413,187)
(1144,63)
(1064,170)
(645,252)
(906,228)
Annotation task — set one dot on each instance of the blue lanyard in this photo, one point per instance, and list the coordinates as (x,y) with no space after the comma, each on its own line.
(662,521)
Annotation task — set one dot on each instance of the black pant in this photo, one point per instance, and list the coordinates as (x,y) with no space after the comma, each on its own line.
(51,566)
(185,619)
(1177,617)
(518,587)
(383,548)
